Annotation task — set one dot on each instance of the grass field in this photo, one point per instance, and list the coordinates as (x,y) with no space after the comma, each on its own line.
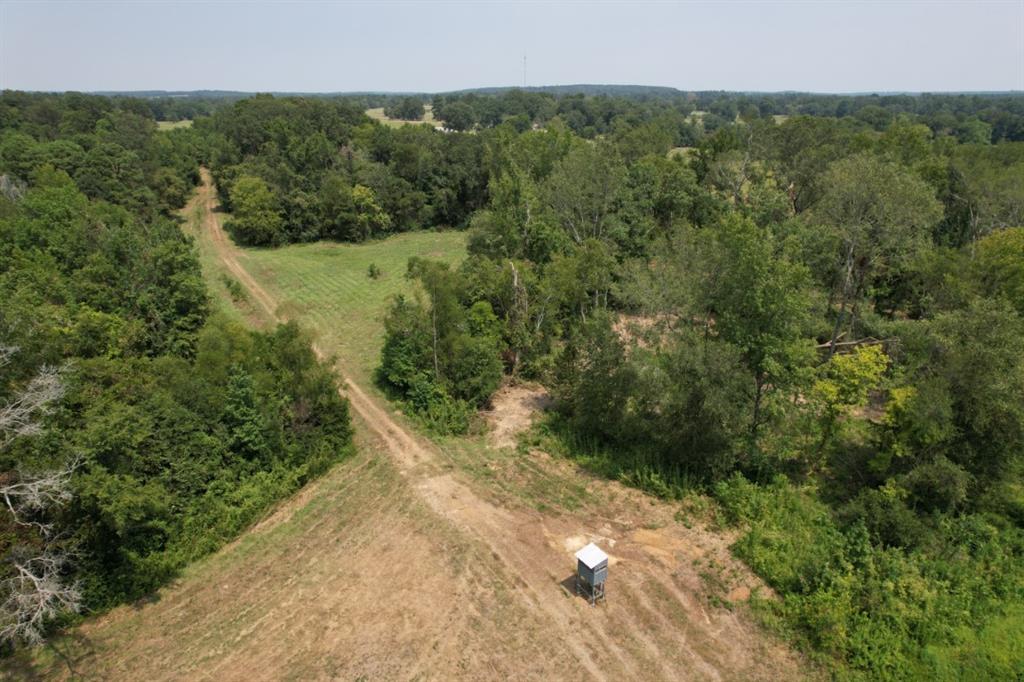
(327,287)
(171,125)
(378,114)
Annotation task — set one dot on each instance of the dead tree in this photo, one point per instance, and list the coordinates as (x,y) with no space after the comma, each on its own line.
(21,416)
(11,188)
(35,594)
(36,589)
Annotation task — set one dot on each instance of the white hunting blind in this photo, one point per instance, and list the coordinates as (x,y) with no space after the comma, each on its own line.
(591,572)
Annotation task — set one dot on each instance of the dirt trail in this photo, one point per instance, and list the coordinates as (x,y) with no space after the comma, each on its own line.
(393,567)
(403,446)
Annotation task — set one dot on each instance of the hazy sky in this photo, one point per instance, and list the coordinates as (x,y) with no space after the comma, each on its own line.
(344,46)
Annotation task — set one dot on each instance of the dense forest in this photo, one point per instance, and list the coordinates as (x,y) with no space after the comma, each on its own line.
(138,430)
(809,307)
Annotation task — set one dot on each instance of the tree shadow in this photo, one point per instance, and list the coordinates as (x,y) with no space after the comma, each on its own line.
(72,648)
(146,600)
(569,585)
(69,650)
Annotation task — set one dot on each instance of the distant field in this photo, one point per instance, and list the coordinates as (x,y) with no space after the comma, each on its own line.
(171,125)
(326,285)
(428,117)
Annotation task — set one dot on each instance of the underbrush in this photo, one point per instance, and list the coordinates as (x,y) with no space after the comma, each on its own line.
(634,468)
(431,408)
(951,610)
(179,456)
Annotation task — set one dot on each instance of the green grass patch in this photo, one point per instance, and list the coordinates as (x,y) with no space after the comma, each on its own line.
(326,287)
(377,114)
(224,297)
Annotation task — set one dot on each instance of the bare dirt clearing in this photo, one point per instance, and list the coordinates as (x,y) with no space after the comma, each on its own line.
(395,565)
(513,409)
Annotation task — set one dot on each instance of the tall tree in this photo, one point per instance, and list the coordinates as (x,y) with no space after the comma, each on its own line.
(583,189)
(761,304)
(256,218)
(882,216)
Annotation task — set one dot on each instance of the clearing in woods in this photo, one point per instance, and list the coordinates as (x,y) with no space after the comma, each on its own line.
(171,125)
(427,560)
(428,117)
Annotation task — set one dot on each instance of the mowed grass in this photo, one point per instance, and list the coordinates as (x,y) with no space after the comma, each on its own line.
(428,117)
(171,125)
(326,287)
(237,308)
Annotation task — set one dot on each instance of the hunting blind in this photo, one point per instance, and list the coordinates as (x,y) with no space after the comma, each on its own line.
(591,572)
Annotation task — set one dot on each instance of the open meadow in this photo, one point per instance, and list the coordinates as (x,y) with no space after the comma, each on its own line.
(171,125)
(327,287)
(378,114)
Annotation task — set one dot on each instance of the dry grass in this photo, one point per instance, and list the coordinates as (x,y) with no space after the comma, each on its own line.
(171,125)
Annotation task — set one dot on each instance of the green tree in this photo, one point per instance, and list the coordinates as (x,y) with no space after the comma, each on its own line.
(458,116)
(256,219)
(406,109)
(998,266)
(516,223)
(113,173)
(243,420)
(844,384)
(977,353)
(370,218)
(583,189)
(881,216)
(337,207)
(760,300)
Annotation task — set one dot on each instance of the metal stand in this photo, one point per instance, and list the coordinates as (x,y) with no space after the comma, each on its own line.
(594,593)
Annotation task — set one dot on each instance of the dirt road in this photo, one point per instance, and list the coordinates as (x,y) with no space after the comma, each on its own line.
(396,566)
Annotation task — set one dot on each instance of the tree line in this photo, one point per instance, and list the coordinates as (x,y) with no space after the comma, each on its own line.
(293,170)
(138,429)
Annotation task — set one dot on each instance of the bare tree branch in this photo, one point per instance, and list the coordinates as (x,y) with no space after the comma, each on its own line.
(6,353)
(36,589)
(33,495)
(20,417)
(11,188)
(36,594)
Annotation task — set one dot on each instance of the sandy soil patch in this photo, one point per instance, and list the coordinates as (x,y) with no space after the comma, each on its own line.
(513,409)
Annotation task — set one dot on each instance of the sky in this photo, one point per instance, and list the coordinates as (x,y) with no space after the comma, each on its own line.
(439,46)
